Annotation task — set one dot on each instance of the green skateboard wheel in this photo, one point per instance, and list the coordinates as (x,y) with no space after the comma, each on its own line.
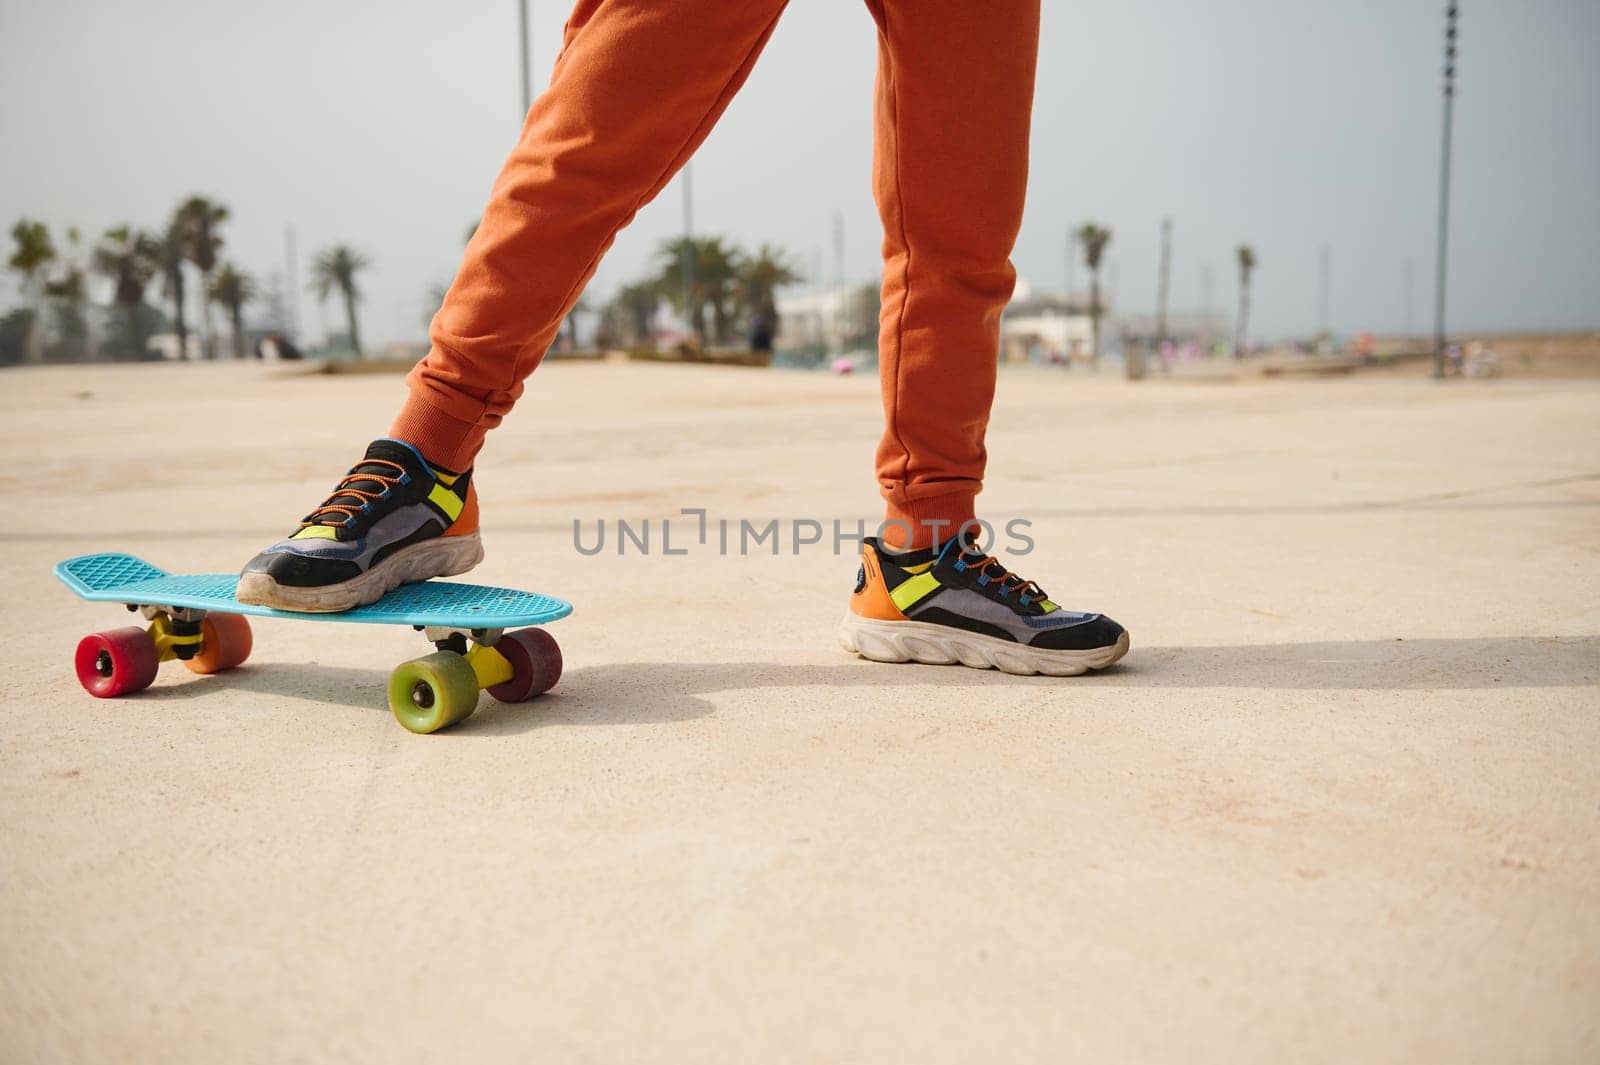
(426,694)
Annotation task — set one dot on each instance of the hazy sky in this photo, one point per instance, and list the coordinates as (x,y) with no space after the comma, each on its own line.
(1286,123)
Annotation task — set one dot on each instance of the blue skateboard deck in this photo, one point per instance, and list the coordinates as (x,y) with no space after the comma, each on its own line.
(119,578)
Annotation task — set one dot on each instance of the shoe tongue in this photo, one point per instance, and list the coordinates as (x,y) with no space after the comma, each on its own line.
(971,555)
(393,451)
(380,453)
(967,546)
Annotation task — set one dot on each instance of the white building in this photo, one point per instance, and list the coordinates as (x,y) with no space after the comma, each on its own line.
(830,318)
(1045,329)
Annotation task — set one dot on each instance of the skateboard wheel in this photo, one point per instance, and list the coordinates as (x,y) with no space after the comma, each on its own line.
(116,662)
(536,663)
(426,694)
(225,642)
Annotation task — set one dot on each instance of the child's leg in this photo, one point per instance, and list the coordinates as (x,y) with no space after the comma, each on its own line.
(955,91)
(636,88)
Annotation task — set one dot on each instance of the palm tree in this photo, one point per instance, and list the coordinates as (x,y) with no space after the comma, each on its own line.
(335,270)
(636,305)
(1093,239)
(722,262)
(711,282)
(760,276)
(34,252)
(68,292)
(173,283)
(1247,263)
(199,220)
(131,260)
(233,290)
(571,324)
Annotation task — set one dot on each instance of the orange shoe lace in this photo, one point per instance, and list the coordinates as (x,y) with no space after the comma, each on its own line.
(1022,586)
(324,514)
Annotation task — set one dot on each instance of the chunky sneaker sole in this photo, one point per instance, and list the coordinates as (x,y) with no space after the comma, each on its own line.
(441,557)
(940,645)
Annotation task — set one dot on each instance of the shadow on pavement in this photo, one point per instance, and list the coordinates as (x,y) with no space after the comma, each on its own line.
(1366,665)
(645,692)
(670,691)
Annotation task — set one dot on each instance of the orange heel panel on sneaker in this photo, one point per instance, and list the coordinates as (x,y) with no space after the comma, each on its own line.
(467,521)
(873,601)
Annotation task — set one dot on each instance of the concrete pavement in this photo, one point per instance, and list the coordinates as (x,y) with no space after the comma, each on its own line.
(1341,802)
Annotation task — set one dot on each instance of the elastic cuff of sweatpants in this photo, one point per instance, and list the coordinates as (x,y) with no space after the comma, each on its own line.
(930,521)
(444,440)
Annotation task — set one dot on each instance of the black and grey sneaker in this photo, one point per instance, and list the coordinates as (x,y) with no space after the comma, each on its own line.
(392,520)
(952,603)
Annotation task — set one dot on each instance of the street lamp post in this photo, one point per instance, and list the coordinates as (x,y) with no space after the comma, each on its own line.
(688,244)
(527,63)
(1324,273)
(1072,269)
(1444,186)
(1163,281)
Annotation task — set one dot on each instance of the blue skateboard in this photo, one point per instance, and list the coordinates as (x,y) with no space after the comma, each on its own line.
(196,620)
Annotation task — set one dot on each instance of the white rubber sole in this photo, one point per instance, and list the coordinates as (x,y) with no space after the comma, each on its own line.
(940,645)
(443,556)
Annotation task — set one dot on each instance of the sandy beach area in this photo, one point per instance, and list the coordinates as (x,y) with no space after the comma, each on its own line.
(1340,803)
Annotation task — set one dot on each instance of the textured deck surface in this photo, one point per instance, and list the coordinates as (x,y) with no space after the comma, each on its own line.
(118,578)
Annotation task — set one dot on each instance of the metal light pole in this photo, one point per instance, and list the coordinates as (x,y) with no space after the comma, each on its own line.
(527,61)
(1164,281)
(1444,185)
(1411,297)
(836,299)
(1324,269)
(291,264)
(816,297)
(688,243)
(1072,267)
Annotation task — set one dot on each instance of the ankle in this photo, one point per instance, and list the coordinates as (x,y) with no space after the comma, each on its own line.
(445,441)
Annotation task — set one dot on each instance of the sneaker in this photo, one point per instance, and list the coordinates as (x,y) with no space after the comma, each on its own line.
(392,520)
(952,603)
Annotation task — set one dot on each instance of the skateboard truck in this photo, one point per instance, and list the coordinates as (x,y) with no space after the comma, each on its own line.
(439,635)
(176,630)
(488,665)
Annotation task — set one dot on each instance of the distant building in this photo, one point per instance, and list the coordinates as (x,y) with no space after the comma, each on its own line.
(838,319)
(1046,328)
(1040,328)
(165,345)
(1199,329)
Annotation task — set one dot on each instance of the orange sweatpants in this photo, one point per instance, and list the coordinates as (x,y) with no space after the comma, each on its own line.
(637,86)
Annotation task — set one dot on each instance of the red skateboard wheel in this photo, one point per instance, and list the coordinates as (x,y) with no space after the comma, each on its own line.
(116,662)
(535,662)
